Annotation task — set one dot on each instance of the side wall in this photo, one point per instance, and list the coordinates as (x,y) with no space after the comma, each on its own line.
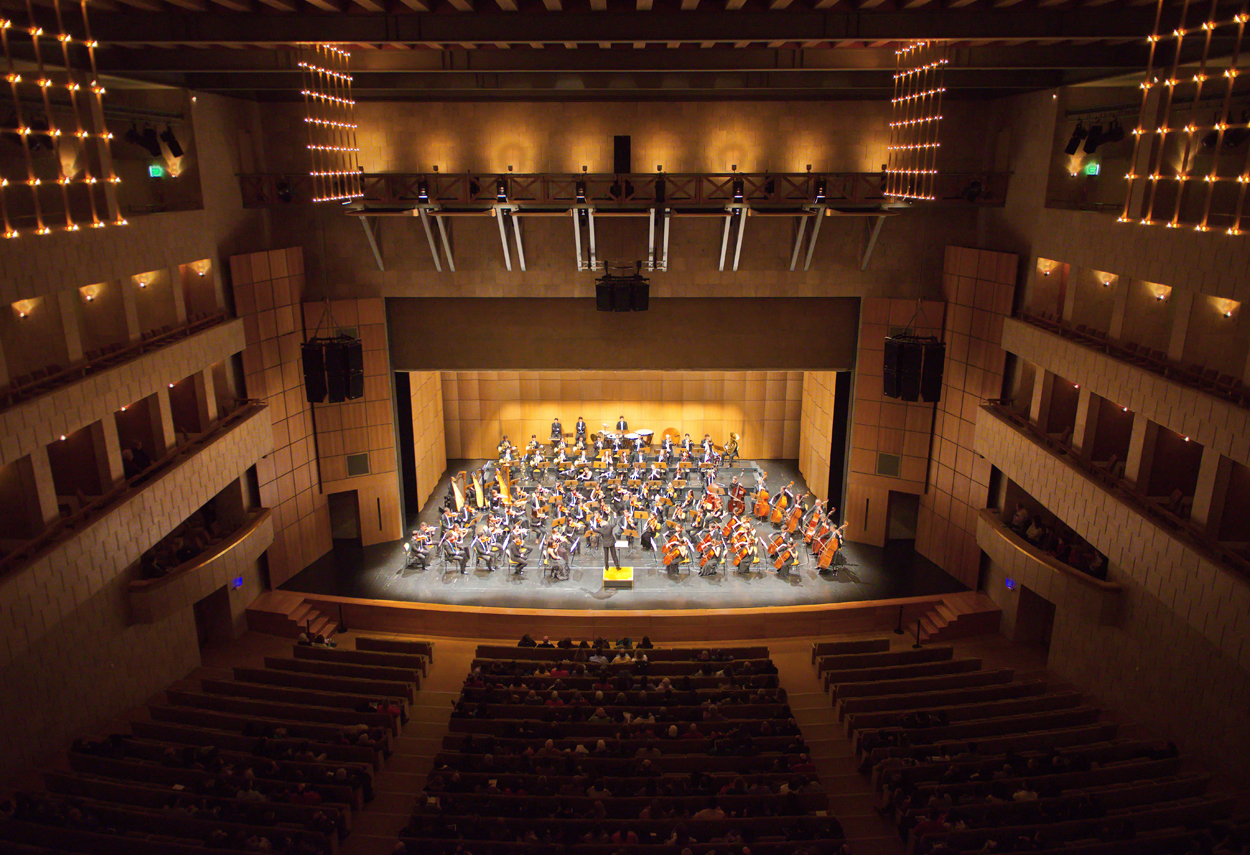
(425,389)
(815,431)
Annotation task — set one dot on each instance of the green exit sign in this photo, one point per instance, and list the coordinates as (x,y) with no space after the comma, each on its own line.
(1091,169)
(156,171)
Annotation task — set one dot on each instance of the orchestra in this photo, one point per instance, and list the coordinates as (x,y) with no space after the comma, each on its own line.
(618,486)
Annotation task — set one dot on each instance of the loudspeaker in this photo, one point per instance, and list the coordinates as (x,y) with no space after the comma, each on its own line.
(621,159)
(336,371)
(890,378)
(931,378)
(622,295)
(603,296)
(314,372)
(640,295)
(355,356)
(355,386)
(910,361)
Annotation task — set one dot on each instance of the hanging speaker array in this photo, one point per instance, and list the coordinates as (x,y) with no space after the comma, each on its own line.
(333,369)
(913,368)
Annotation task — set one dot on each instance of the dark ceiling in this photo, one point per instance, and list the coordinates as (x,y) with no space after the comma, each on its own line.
(609,49)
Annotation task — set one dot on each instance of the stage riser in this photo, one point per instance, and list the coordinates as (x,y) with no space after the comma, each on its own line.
(676,625)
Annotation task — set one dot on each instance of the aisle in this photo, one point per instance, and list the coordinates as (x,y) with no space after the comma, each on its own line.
(851,799)
(404,774)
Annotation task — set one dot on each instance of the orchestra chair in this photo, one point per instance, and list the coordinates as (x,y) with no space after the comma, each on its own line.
(408,556)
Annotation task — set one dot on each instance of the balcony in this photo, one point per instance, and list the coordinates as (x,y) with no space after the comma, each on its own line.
(153,599)
(145,369)
(1093,599)
(1216,422)
(58,572)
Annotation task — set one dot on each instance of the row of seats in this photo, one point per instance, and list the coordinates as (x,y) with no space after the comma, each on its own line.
(675,750)
(1187,373)
(277,759)
(968,759)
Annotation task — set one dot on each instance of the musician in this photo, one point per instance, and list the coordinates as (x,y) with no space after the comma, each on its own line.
(731,449)
(557,432)
(598,444)
(784,491)
(649,531)
(713,552)
(558,556)
(482,548)
(581,430)
(454,549)
(667,445)
(621,424)
(656,473)
(706,442)
(517,552)
(786,546)
(504,444)
(606,527)
(532,445)
(686,443)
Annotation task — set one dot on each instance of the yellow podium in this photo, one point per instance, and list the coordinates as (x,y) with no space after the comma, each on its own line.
(618,577)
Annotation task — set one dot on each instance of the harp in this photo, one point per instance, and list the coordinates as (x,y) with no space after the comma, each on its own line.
(504,476)
(478,491)
(457,486)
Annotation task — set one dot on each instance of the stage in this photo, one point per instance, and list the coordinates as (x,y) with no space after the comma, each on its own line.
(869,573)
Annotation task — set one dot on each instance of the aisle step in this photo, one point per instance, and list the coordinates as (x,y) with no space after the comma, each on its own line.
(391,801)
(376,823)
(366,844)
(409,764)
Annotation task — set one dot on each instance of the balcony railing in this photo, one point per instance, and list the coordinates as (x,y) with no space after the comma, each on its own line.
(67,526)
(836,189)
(1185,530)
(51,378)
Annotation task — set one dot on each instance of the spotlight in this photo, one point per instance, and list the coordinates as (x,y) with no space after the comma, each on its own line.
(1074,143)
(1094,139)
(283,189)
(822,186)
(40,139)
(146,140)
(739,189)
(423,191)
(973,191)
(167,136)
(501,190)
(581,192)
(1115,132)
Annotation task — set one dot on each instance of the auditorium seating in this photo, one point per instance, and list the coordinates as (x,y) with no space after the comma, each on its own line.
(582,760)
(984,760)
(272,760)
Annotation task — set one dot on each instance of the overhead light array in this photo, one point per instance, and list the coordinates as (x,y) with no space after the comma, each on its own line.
(1170,130)
(915,115)
(329,116)
(87,193)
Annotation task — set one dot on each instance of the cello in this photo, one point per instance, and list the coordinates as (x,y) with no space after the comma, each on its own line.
(784,555)
(737,499)
(761,501)
(831,548)
(813,526)
(674,550)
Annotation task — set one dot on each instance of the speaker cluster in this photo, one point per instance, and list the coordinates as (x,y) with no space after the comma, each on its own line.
(623,293)
(913,368)
(334,369)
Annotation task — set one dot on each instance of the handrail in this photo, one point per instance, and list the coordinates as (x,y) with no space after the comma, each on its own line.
(1181,529)
(57,530)
(991,516)
(256,518)
(31,390)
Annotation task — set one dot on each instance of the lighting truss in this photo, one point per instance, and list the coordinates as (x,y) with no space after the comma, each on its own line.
(1184,170)
(81,187)
(330,116)
(915,114)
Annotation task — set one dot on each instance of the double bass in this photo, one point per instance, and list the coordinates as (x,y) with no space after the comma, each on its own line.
(831,548)
(795,516)
(737,499)
(761,502)
(813,526)
(782,502)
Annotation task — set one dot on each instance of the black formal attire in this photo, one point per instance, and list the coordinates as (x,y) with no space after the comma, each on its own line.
(607,536)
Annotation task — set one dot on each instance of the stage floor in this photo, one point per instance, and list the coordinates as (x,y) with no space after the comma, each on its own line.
(376,572)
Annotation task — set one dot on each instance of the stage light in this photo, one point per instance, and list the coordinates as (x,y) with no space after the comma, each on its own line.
(581,192)
(1093,139)
(171,141)
(739,189)
(501,190)
(1074,143)
(822,185)
(283,190)
(423,191)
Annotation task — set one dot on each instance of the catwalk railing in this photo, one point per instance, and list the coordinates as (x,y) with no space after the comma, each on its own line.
(476,190)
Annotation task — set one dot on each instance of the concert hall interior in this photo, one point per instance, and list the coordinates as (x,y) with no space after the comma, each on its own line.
(881,362)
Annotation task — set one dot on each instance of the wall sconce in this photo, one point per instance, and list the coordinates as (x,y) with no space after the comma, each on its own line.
(1226,307)
(24,307)
(146,279)
(1076,385)
(1106,279)
(62,437)
(89,292)
(202,266)
(1186,439)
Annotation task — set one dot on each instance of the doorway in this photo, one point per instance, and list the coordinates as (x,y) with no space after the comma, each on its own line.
(213,623)
(902,513)
(1035,619)
(345,516)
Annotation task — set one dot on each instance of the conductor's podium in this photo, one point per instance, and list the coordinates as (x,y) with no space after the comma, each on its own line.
(618,577)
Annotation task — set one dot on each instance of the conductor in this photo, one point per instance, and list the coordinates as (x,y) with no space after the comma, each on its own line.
(606,526)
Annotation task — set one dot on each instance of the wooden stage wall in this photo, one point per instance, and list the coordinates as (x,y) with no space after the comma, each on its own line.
(671,625)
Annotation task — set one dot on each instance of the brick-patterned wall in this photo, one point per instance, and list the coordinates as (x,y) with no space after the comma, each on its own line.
(425,391)
(39,421)
(1214,422)
(268,287)
(885,425)
(1179,654)
(67,646)
(815,431)
(979,286)
(761,406)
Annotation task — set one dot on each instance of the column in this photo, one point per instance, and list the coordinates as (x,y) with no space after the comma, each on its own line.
(67,303)
(4,368)
(1141,452)
(108,452)
(39,487)
(1039,406)
(1182,306)
(162,416)
(1086,427)
(1211,491)
(1116,329)
(205,398)
(178,289)
(1067,295)
(133,331)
